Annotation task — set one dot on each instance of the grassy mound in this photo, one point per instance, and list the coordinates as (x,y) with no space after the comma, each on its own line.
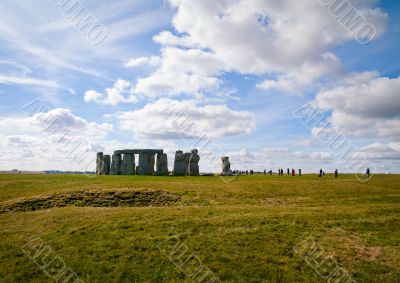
(95,199)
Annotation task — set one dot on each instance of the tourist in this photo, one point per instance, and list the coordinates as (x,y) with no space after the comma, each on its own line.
(288,172)
(320,173)
(336,173)
(299,172)
(368,172)
(293,172)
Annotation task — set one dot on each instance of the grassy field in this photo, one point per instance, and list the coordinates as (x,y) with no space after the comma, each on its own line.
(124,228)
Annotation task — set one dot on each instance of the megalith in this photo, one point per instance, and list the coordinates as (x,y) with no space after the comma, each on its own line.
(180,167)
(162,164)
(128,164)
(226,166)
(193,166)
(106,166)
(143,164)
(116,164)
(99,163)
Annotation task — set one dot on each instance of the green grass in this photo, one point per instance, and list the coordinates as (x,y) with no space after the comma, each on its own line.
(244,231)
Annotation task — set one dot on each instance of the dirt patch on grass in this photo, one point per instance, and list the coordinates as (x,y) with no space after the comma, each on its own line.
(95,199)
(353,243)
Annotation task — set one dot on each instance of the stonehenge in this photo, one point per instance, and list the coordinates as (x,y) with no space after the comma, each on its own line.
(128,164)
(105,168)
(162,165)
(122,162)
(116,164)
(151,162)
(99,163)
(193,164)
(226,166)
(186,163)
(180,166)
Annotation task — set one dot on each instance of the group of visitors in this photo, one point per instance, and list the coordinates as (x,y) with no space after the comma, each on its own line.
(288,172)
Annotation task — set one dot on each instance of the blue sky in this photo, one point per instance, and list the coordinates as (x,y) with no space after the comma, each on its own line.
(237,70)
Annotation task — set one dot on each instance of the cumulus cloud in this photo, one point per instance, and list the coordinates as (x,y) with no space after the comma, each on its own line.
(55,138)
(380,151)
(279,157)
(189,72)
(170,119)
(140,61)
(119,93)
(292,40)
(366,106)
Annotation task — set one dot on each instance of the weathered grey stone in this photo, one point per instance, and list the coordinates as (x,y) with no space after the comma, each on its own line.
(193,166)
(99,163)
(143,164)
(180,167)
(128,164)
(116,164)
(226,166)
(152,161)
(187,157)
(105,170)
(162,164)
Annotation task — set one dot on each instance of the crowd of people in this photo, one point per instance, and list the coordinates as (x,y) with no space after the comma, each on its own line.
(288,172)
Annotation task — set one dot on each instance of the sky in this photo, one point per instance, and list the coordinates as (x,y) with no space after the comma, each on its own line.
(231,78)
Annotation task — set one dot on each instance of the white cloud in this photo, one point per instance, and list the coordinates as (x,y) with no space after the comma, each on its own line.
(140,61)
(167,38)
(260,37)
(278,157)
(188,72)
(380,151)
(119,93)
(170,119)
(56,139)
(365,107)
(28,81)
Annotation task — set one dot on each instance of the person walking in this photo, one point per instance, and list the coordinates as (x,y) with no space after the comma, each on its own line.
(368,172)
(336,173)
(300,172)
(320,172)
(293,172)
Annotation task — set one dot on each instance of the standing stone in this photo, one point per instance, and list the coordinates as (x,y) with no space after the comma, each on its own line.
(105,170)
(99,163)
(180,163)
(152,160)
(226,166)
(162,164)
(128,164)
(143,164)
(187,157)
(193,166)
(116,164)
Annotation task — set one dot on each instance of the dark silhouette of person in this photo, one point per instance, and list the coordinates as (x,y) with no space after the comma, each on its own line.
(336,173)
(288,172)
(368,172)
(293,172)
(320,173)
(299,172)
